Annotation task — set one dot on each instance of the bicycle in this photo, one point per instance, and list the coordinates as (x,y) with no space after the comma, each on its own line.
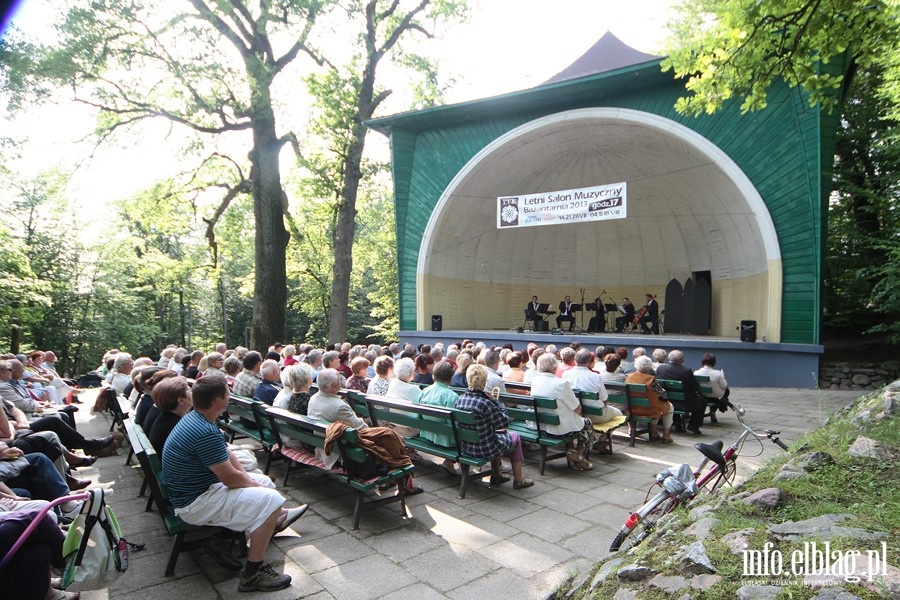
(681,484)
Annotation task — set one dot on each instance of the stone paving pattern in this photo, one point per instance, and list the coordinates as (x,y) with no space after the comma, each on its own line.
(496,543)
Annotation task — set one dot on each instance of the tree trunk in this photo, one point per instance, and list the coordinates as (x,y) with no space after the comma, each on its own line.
(270,287)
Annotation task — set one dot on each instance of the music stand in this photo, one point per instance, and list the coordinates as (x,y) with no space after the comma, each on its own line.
(611,310)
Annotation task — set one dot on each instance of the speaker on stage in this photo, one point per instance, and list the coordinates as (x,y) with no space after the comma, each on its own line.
(748,331)
(543,326)
(437,322)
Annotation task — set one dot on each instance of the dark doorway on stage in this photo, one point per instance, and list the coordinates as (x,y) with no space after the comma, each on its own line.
(689,307)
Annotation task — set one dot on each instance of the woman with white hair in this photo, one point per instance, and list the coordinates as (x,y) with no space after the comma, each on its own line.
(659,407)
(401,387)
(547,385)
(287,355)
(121,372)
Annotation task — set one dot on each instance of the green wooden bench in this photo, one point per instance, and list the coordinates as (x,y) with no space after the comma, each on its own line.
(288,425)
(246,419)
(604,430)
(432,419)
(526,411)
(627,396)
(712,404)
(675,392)
(187,537)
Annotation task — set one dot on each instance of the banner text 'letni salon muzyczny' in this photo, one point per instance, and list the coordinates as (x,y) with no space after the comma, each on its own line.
(595,203)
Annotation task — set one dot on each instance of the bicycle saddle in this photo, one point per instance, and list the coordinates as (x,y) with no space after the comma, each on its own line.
(713,452)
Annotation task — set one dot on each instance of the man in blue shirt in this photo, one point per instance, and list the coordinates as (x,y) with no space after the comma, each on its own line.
(208,487)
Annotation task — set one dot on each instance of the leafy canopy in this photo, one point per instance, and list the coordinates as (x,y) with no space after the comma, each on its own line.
(736,49)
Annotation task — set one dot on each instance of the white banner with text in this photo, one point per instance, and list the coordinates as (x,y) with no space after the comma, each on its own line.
(596,203)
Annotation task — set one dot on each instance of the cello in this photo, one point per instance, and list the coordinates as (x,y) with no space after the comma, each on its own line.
(641,314)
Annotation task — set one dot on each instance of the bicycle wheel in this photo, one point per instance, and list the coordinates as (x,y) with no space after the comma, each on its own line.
(637,528)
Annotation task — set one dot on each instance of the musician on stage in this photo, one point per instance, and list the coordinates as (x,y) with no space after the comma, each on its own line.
(565,314)
(598,321)
(627,310)
(651,316)
(531,313)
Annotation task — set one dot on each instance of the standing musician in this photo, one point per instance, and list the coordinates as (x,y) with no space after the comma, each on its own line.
(627,310)
(531,313)
(565,314)
(651,315)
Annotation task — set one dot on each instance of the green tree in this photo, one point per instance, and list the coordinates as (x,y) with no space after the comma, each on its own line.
(346,95)
(210,68)
(736,49)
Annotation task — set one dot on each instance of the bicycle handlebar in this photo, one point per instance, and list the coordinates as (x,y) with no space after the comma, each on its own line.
(769,433)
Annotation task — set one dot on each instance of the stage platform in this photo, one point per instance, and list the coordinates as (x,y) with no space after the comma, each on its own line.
(746,364)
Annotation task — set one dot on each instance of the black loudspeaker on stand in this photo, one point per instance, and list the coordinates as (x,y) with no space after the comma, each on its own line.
(437,322)
(748,331)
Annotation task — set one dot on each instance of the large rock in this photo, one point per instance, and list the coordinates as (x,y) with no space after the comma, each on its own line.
(702,528)
(704,582)
(814,460)
(790,471)
(835,593)
(670,584)
(737,541)
(625,594)
(861,379)
(694,560)
(824,527)
(768,498)
(758,592)
(605,571)
(635,572)
(863,447)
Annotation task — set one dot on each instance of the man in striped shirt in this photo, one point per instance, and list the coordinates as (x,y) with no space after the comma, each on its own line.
(208,487)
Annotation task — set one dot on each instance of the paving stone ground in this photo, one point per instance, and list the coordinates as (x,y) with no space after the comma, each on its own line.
(496,543)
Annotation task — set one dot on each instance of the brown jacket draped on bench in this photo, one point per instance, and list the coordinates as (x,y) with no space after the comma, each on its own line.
(383,443)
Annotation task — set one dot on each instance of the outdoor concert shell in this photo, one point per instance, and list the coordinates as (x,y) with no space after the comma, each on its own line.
(741,196)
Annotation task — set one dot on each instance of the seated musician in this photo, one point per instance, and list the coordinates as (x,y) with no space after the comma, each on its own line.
(531,313)
(651,315)
(598,321)
(627,310)
(565,313)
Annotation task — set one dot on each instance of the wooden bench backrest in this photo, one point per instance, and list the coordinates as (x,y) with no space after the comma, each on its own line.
(637,394)
(433,419)
(674,389)
(357,402)
(589,409)
(705,387)
(616,393)
(295,426)
(531,408)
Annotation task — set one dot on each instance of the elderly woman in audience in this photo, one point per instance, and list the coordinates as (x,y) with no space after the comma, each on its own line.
(401,387)
(358,381)
(547,385)
(659,407)
(146,411)
(288,355)
(660,357)
(463,361)
(297,380)
(384,373)
(491,422)
(232,367)
(610,371)
(424,368)
(215,364)
(172,398)
(514,371)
